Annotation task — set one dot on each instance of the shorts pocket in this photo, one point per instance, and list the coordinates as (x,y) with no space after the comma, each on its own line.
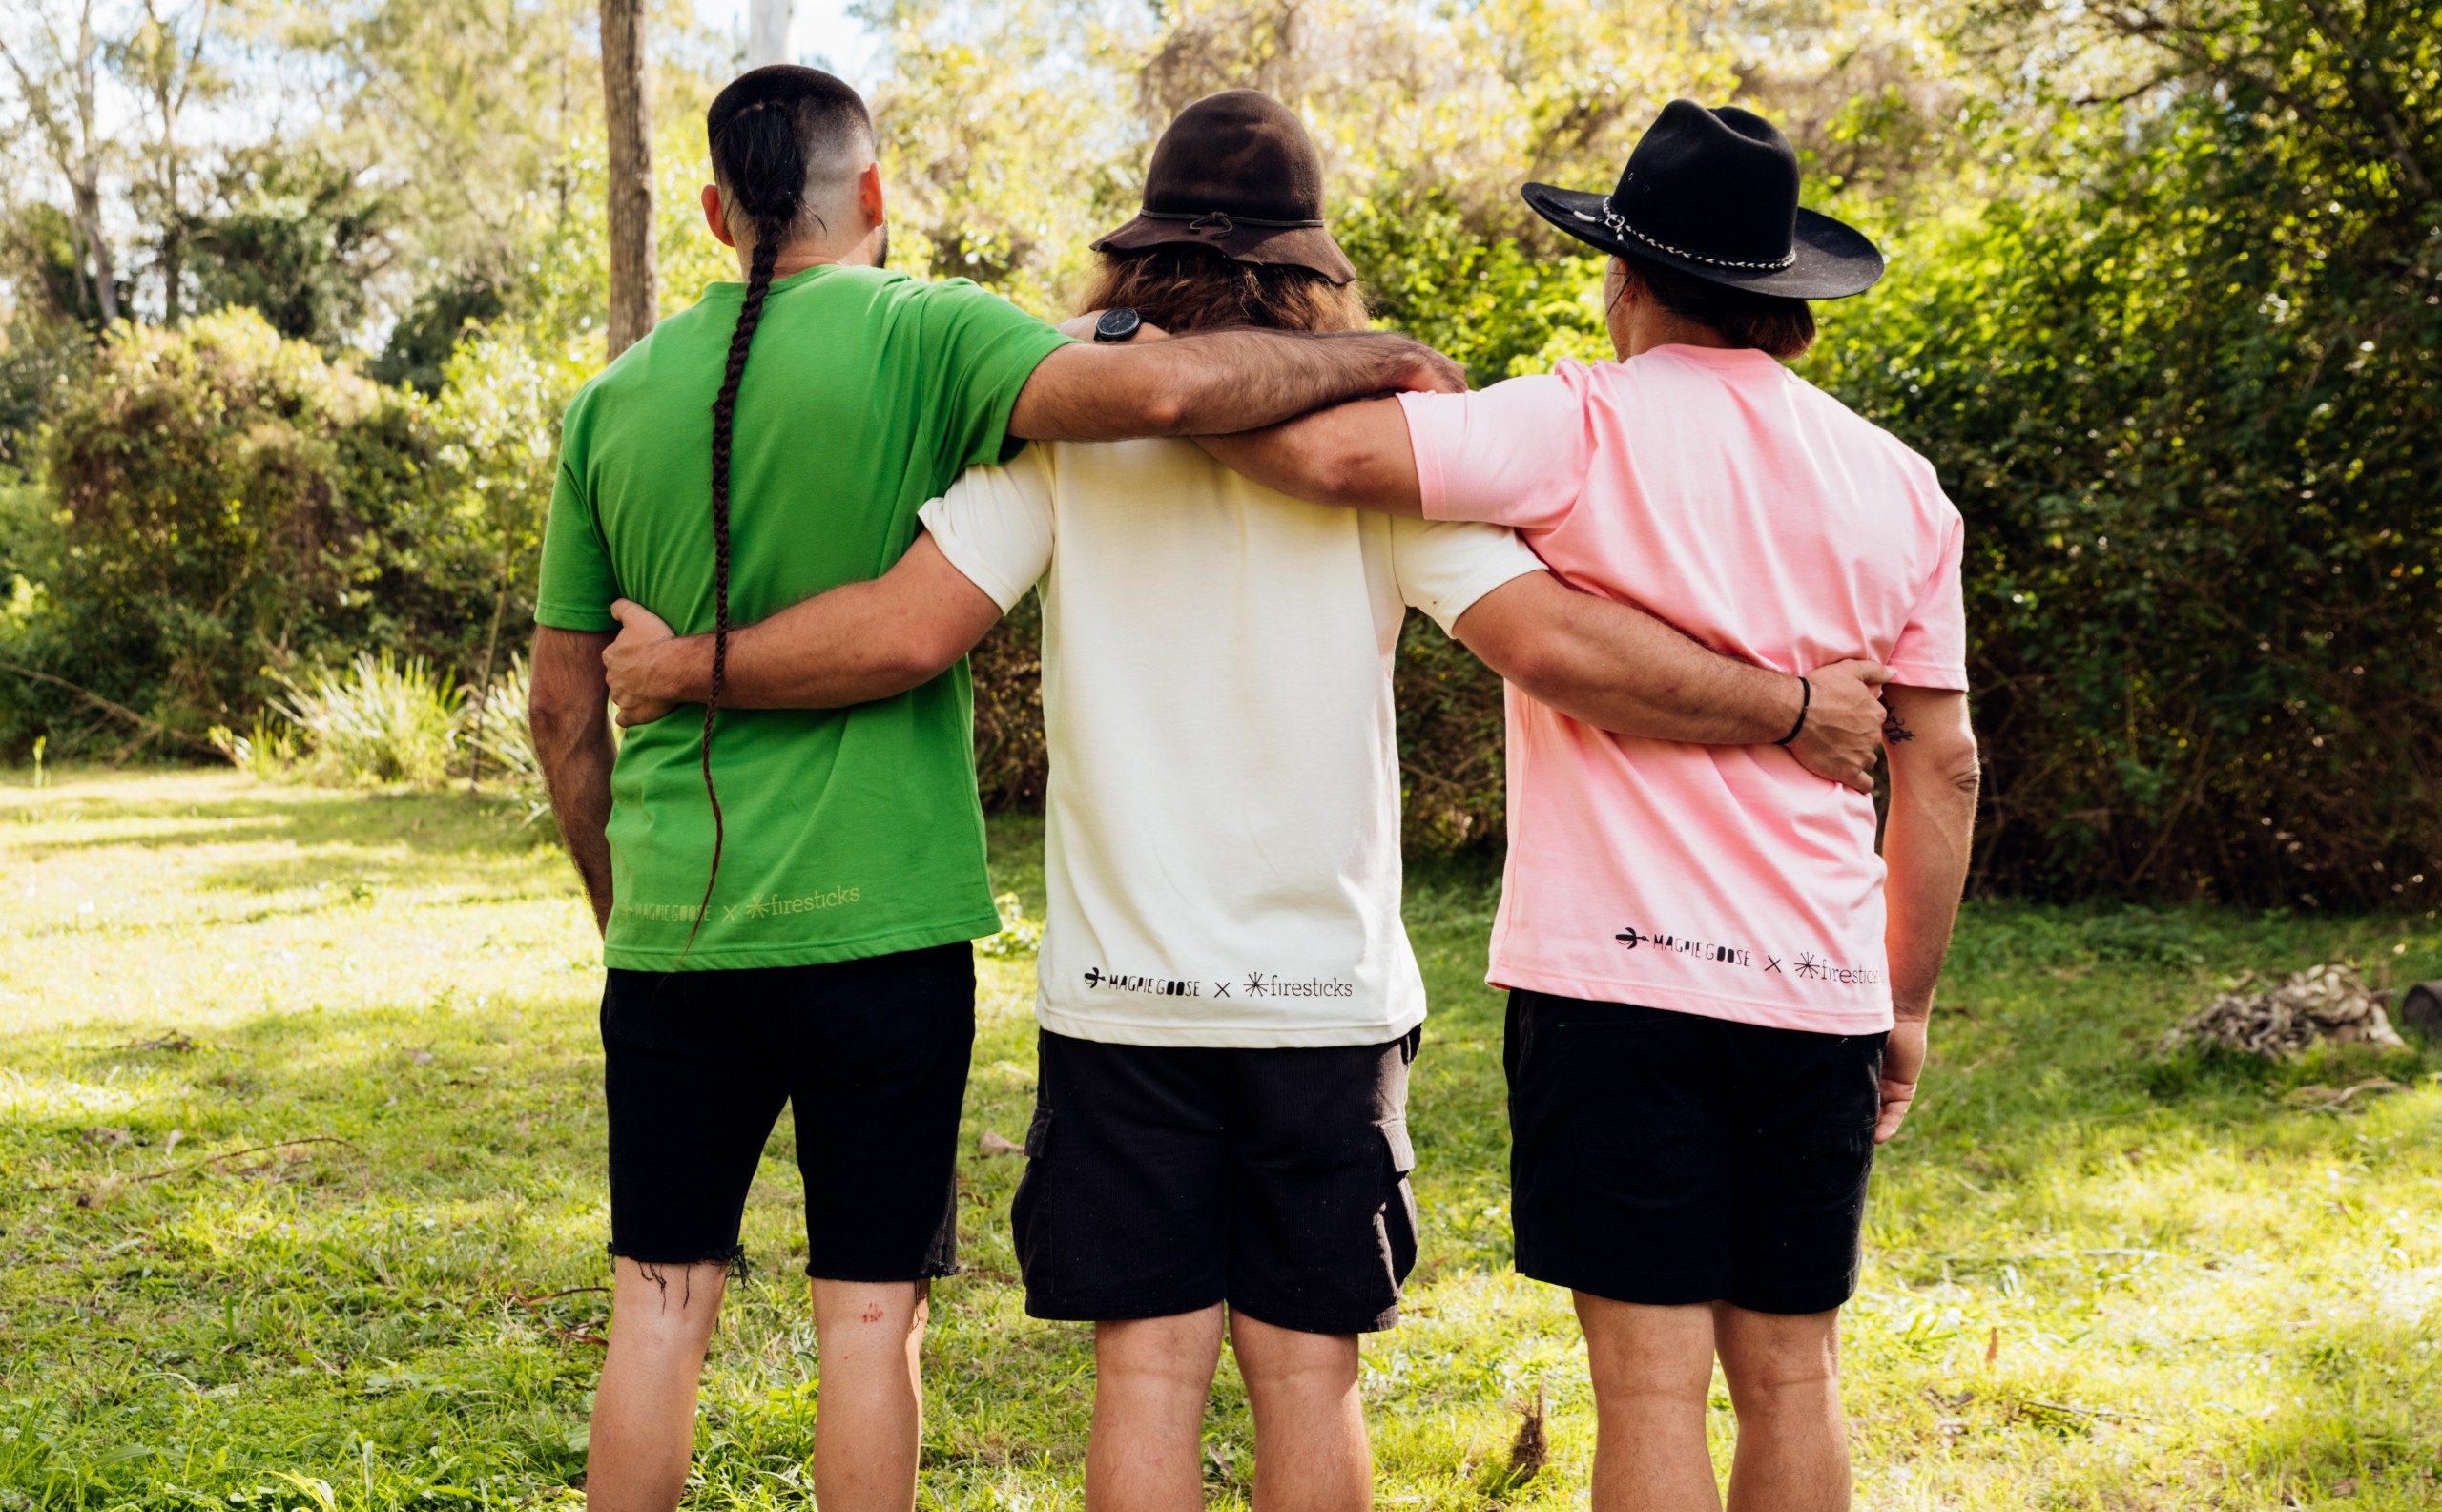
(1031,1216)
(1394,1137)
(1400,1226)
(1836,1165)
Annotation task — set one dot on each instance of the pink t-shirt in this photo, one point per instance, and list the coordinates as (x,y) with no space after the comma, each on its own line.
(1724,493)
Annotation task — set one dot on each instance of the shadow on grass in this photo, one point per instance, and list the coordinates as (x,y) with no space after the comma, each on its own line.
(441,823)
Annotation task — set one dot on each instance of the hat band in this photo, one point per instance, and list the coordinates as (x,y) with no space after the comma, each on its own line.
(1621,228)
(1219,223)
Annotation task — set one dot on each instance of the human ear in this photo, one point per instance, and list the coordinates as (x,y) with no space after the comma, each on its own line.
(869,197)
(715,218)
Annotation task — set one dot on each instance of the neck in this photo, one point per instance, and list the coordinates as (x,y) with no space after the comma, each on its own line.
(796,260)
(1646,327)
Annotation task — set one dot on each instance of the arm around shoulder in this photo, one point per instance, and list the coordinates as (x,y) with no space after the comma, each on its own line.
(1358,456)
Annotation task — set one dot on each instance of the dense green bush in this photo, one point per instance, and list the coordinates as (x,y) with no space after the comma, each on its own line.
(223,509)
(2190,406)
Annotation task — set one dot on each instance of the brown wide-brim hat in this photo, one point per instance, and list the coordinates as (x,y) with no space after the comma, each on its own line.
(1236,173)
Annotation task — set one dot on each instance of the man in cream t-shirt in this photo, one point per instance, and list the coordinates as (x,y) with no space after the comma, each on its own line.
(1222,856)
(1228,1002)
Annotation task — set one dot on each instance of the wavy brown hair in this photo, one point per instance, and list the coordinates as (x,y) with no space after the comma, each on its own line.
(1771,324)
(1184,288)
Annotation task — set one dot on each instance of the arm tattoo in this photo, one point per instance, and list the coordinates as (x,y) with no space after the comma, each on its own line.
(1895,730)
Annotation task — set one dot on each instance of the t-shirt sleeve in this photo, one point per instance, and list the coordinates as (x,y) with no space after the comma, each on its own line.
(994,525)
(577,585)
(1445,566)
(1514,454)
(1932,649)
(987,350)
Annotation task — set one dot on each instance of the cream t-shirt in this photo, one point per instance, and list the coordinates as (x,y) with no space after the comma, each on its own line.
(1222,855)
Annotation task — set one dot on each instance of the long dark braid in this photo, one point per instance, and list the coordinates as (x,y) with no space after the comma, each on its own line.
(757,155)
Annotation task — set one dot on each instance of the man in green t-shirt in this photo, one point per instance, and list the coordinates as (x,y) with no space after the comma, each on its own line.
(786,896)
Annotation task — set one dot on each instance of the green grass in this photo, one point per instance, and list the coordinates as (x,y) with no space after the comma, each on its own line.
(2100,1277)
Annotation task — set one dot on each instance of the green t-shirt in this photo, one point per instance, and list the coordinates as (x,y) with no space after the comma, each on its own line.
(849,832)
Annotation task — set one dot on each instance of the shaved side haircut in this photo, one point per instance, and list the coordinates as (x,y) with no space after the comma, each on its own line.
(834,146)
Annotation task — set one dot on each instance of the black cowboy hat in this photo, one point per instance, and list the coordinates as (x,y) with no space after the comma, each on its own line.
(1236,173)
(1714,192)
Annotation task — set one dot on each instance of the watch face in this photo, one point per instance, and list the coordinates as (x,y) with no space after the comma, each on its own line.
(1117,325)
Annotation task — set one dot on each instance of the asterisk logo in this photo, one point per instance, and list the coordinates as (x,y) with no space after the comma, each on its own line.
(1255,983)
(1811,966)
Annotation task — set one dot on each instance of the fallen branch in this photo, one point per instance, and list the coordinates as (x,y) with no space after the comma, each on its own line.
(2303,1099)
(2071,1410)
(123,711)
(535,1305)
(208,1160)
(553,1297)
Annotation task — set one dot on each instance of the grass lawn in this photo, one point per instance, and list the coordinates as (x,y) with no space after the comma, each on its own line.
(2098,1276)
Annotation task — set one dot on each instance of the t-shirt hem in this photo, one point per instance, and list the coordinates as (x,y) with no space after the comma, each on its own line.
(970,561)
(1929,674)
(1431,500)
(1470,593)
(1224,1036)
(569,616)
(741,957)
(1006,446)
(1683,999)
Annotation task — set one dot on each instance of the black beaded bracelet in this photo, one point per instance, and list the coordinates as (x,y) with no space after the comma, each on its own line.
(1806,701)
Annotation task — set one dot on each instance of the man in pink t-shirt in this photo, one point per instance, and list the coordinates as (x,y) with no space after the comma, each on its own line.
(1719,990)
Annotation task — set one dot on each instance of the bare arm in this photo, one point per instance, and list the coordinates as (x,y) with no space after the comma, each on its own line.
(569,710)
(856,643)
(1357,456)
(1215,382)
(1618,668)
(1934,781)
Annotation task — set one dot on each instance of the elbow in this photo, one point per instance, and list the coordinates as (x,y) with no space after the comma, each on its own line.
(1532,664)
(1955,765)
(558,722)
(1337,479)
(1536,662)
(920,658)
(1326,474)
(1967,777)
(548,719)
(1162,407)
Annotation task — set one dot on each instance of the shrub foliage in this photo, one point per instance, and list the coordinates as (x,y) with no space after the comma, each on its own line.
(233,511)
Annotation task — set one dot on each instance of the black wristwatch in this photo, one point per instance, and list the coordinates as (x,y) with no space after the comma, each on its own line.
(1117,325)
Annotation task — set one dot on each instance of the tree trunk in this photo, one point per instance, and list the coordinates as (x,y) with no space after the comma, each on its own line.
(627,119)
(767,32)
(88,197)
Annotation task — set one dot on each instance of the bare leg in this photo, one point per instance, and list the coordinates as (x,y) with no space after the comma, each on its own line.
(644,1413)
(1310,1454)
(1652,1368)
(1151,1377)
(869,1418)
(1785,1379)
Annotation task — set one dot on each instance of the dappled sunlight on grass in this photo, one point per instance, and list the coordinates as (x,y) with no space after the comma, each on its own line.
(2099,1276)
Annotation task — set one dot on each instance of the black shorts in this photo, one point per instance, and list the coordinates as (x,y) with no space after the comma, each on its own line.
(1668,1158)
(872,1056)
(1163,1179)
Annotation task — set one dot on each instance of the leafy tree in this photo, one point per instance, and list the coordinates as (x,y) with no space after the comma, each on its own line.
(298,242)
(423,341)
(2187,395)
(57,71)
